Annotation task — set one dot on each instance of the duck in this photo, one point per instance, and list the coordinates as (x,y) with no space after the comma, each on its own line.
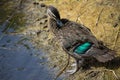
(77,40)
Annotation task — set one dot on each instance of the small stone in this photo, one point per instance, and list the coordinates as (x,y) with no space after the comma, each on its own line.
(42,5)
(36,3)
(115,25)
(45,16)
(38,32)
(45,26)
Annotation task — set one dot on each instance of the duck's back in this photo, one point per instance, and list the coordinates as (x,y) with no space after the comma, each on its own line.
(80,41)
(72,34)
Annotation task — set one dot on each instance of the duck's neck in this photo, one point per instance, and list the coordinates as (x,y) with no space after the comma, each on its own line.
(53,25)
(59,23)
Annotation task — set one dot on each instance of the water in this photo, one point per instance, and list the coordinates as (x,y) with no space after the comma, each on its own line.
(18,60)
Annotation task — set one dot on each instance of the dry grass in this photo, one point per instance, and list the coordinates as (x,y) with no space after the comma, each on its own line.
(103,18)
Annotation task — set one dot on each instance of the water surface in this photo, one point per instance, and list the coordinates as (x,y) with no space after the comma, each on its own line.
(19,60)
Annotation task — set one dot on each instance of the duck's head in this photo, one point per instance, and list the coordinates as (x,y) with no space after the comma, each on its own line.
(53,13)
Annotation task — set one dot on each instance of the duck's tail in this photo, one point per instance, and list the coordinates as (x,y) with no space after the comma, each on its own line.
(101,54)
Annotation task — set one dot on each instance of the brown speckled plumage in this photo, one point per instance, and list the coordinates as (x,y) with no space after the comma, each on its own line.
(71,34)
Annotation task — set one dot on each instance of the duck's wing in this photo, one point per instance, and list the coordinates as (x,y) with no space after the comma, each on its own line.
(101,54)
(72,33)
(86,32)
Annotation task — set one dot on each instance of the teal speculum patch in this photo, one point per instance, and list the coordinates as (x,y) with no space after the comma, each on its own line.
(82,48)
